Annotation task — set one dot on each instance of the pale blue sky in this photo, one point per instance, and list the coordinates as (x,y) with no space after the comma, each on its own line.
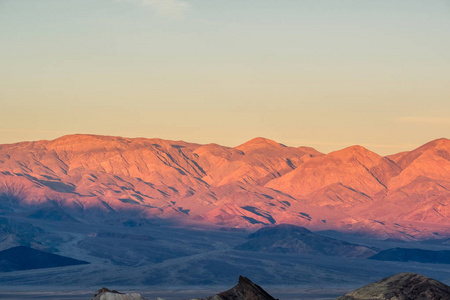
(325,74)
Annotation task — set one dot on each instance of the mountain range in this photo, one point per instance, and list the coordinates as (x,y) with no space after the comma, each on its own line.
(261,182)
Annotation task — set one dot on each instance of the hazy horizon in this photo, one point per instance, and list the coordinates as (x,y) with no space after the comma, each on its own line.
(412,147)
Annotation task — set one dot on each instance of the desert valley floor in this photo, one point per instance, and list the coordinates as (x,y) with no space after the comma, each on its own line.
(173,262)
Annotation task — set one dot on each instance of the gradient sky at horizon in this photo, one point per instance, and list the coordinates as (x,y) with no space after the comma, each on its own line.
(326,74)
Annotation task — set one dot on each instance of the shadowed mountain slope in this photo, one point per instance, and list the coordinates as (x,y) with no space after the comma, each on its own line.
(25,258)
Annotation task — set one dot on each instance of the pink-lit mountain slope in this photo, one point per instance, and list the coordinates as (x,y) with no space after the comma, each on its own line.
(355,173)
(260,182)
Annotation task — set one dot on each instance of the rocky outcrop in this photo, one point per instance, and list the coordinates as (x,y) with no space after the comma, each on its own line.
(402,286)
(244,290)
(106,294)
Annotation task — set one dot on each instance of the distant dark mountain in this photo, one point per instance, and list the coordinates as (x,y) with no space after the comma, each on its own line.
(25,258)
(287,238)
(244,290)
(13,232)
(404,286)
(417,255)
(444,241)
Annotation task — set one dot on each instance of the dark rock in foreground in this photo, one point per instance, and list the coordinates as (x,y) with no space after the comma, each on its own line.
(244,290)
(287,238)
(26,258)
(402,286)
(417,255)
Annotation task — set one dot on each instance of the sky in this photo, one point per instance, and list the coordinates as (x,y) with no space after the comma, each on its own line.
(321,73)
